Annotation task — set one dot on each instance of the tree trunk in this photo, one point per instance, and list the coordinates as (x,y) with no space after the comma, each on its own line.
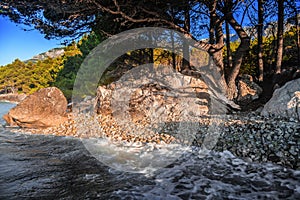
(298,34)
(218,57)
(173,51)
(151,53)
(239,54)
(186,49)
(229,53)
(280,36)
(260,42)
(212,22)
(217,43)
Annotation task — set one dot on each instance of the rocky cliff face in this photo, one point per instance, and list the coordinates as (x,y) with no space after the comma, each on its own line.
(53,53)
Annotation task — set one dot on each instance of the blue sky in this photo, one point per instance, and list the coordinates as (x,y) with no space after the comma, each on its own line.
(17,43)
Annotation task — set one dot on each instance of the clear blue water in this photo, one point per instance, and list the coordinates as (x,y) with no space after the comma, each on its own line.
(4,108)
(51,167)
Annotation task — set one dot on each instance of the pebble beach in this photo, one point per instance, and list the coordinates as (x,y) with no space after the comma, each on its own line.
(246,135)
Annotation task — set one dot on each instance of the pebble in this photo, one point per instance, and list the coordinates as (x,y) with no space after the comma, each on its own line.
(246,135)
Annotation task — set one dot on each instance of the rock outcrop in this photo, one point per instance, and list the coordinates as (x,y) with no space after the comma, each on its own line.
(285,101)
(45,108)
(158,96)
(159,101)
(248,90)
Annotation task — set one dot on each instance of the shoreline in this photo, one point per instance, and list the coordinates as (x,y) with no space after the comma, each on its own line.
(246,135)
(12,98)
(7,101)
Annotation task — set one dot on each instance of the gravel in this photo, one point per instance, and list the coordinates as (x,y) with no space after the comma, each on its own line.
(246,135)
(259,139)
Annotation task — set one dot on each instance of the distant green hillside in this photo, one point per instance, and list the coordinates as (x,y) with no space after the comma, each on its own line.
(56,67)
(39,72)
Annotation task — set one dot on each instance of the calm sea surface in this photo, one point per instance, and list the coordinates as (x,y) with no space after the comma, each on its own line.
(4,108)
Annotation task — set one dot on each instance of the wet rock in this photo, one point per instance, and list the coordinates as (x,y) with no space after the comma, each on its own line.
(285,101)
(45,108)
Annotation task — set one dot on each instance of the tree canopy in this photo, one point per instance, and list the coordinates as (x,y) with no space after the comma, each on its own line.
(211,23)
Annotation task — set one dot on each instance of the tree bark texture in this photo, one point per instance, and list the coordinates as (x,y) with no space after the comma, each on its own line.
(239,54)
(229,53)
(260,40)
(186,49)
(280,36)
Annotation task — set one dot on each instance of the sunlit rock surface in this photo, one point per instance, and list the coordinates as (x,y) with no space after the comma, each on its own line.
(285,101)
(45,108)
(157,90)
(248,90)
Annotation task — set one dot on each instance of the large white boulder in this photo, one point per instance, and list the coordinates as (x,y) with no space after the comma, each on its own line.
(285,101)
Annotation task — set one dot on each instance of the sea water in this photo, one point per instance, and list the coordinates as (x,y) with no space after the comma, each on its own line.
(52,167)
(4,108)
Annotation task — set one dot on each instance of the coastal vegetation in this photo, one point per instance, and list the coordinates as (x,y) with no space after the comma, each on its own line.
(185,138)
(28,77)
(243,37)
